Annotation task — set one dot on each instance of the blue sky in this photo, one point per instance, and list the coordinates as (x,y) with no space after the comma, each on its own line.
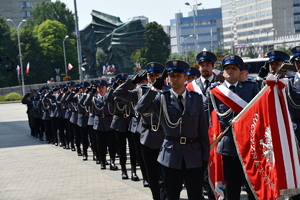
(161,11)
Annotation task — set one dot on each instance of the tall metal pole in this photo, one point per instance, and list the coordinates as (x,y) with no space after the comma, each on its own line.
(79,54)
(65,55)
(20,52)
(194,19)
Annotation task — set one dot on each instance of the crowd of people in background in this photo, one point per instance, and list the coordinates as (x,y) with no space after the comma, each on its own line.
(163,123)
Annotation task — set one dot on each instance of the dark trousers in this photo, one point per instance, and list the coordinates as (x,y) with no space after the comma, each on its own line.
(121,139)
(84,139)
(139,155)
(54,128)
(154,172)
(70,139)
(39,127)
(93,140)
(77,137)
(173,180)
(62,123)
(48,131)
(233,175)
(106,139)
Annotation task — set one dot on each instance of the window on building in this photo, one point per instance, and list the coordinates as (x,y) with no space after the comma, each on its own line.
(26,14)
(26,4)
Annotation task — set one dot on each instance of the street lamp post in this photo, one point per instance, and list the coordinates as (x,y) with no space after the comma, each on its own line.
(194,19)
(65,55)
(185,47)
(20,53)
(268,39)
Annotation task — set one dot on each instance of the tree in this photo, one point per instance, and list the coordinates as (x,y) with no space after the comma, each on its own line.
(53,11)
(156,48)
(50,35)
(7,49)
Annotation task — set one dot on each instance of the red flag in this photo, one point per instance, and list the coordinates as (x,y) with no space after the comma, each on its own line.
(27,68)
(103,69)
(215,164)
(70,66)
(266,144)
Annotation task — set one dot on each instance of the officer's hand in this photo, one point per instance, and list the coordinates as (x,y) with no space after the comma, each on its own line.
(94,90)
(160,81)
(115,85)
(88,89)
(263,71)
(65,90)
(140,75)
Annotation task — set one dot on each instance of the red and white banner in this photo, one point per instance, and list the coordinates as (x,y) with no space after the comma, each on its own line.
(229,98)
(27,68)
(266,144)
(70,67)
(215,164)
(192,86)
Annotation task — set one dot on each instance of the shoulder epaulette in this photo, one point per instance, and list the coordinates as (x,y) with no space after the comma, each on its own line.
(193,92)
(214,85)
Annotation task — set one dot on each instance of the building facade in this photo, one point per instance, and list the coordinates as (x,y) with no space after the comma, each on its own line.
(256,23)
(17,10)
(201,29)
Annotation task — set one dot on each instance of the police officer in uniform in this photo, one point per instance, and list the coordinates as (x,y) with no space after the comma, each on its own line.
(293,93)
(123,112)
(185,150)
(150,138)
(206,62)
(192,73)
(276,59)
(233,172)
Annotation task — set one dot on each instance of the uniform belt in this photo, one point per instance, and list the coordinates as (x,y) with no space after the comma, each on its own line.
(295,120)
(84,113)
(104,115)
(147,126)
(182,140)
(123,115)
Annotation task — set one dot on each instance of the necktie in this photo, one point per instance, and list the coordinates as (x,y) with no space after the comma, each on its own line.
(180,102)
(206,82)
(232,88)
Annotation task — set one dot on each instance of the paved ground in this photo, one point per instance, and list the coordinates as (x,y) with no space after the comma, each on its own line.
(31,169)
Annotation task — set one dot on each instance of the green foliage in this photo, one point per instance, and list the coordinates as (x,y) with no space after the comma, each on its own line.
(12,97)
(1,98)
(156,48)
(53,11)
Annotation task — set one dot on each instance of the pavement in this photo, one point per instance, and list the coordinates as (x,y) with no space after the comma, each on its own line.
(32,169)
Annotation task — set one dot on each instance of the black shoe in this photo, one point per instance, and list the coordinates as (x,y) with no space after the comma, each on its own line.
(60,144)
(56,144)
(79,153)
(103,166)
(73,149)
(41,139)
(64,147)
(113,167)
(124,176)
(67,147)
(85,157)
(145,183)
(134,177)
(98,162)
(106,163)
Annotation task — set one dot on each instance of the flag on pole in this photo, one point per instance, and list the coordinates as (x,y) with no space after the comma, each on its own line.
(27,68)
(70,66)
(104,69)
(215,163)
(266,144)
(18,70)
(108,68)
